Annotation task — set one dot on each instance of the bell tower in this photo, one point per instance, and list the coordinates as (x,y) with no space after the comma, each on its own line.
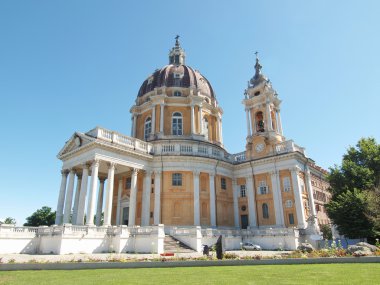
(262,106)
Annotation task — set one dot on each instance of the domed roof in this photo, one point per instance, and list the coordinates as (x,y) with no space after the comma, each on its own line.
(173,75)
(177,74)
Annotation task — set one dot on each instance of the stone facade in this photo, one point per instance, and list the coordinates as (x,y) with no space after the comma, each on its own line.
(174,170)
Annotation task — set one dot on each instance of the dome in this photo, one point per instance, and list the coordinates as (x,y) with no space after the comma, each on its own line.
(174,75)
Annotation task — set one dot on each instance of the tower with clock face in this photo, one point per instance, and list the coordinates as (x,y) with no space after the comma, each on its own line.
(262,106)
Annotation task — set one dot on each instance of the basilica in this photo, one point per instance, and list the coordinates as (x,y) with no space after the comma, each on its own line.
(173,176)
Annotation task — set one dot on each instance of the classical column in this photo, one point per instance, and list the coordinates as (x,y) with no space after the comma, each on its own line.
(235,189)
(200,120)
(192,119)
(298,198)
(212,200)
(153,129)
(162,118)
(145,211)
(119,191)
(92,195)
(248,122)
(277,199)
(82,196)
(132,199)
(157,197)
(309,188)
(220,130)
(61,198)
(279,123)
(69,197)
(99,207)
(109,197)
(269,117)
(251,201)
(197,221)
(76,199)
(134,125)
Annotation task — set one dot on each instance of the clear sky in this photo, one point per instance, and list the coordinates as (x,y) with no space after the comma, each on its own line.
(68,66)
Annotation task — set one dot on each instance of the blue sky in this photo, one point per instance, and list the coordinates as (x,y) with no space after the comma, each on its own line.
(68,66)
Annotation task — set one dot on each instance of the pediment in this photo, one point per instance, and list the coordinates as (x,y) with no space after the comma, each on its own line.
(76,141)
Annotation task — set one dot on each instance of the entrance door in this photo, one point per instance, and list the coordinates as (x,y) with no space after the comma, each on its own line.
(244,221)
(125,215)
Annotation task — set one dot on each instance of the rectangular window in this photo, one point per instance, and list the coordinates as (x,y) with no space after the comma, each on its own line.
(223,183)
(242,190)
(128,183)
(177,179)
(286,184)
(291,219)
(263,188)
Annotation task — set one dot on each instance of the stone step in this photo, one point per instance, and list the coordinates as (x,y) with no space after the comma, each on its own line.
(175,246)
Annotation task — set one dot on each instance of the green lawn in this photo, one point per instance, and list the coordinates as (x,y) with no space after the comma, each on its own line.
(365,274)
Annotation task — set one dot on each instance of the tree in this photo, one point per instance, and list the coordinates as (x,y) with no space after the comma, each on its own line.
(326,231)
(10,221)
(354,187)
(348,212)
(41,217)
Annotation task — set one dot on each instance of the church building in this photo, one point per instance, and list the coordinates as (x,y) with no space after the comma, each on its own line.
(174,173)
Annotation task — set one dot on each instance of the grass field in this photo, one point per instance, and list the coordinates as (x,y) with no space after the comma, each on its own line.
(365,274)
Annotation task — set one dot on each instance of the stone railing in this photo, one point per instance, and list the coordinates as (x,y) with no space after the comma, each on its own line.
(271,232)
(119,139)
(11,229)
(184,231)
(218,232)
(136,230)
(288,146)
(183,147)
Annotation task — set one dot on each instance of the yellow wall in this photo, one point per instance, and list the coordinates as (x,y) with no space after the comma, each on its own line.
(185,111)
(224,202)
(265,198)
(288,196)
(177,206)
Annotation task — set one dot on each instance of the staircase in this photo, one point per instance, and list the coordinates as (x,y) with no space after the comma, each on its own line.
(171,245)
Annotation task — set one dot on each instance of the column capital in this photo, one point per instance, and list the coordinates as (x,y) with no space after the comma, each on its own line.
(79,175)
(95,162)
(135,171)
(307,170)
(85,165)
(157,172)
(148,172)
(196,172)
(274,173)
(234,182)
(72,170)
(249,177)
(64,172)
(211,174)
(111,165)
(102,179)
(295,169)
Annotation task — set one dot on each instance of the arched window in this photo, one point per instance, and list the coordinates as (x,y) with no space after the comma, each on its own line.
(177,93)
(265,211)
(205,127)
(259,118)
(177,124)
(147,128)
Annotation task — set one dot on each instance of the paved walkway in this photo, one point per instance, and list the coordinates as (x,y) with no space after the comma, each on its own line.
(97,257)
